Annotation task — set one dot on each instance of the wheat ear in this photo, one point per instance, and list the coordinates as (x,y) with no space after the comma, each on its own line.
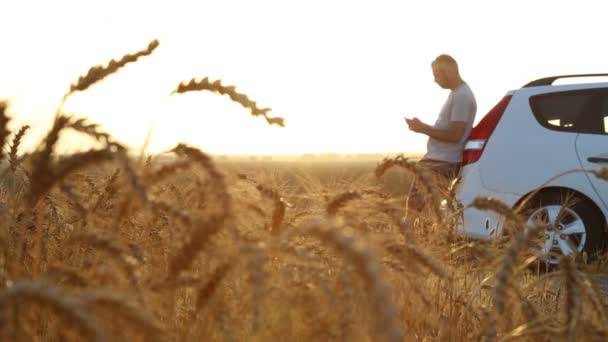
(109,190)
(418,172)
(204,228)
(242,99)
(43,183)
(280,204)
(340,201)
(4,132)
(91,129)
(99,72)
(13,160)
(601,173)
(41,174)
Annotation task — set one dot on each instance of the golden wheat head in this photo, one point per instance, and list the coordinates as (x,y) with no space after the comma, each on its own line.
(388,163)
(601,173)
(44,178)
(4,132)
(99,72)
(14,161)
(280,203)
(91,129)
(340,201)
(242,99)
(492,204)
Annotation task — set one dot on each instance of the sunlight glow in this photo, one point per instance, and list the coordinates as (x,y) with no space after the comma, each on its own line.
(342,73)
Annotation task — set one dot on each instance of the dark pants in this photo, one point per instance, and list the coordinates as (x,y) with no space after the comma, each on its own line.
(439,175)
(445,169)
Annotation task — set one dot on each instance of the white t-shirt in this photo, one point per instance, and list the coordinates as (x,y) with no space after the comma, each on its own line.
(460,106)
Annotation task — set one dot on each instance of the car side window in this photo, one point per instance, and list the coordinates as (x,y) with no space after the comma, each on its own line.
(580,111)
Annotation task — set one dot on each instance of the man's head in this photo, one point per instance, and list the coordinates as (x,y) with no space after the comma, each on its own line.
(445,71)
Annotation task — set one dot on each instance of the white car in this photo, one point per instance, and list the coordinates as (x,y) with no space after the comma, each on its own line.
(537,141)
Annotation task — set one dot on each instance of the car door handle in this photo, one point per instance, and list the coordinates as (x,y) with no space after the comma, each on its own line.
(598,159)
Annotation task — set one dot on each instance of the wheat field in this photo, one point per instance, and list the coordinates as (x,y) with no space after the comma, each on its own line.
(114,245)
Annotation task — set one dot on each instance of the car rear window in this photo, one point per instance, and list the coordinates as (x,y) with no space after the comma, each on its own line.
(605,115)
(580,111)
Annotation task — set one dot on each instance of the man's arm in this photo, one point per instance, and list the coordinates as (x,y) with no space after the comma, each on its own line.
(452,134)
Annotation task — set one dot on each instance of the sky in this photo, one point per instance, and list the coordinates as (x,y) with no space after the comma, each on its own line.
(343,74)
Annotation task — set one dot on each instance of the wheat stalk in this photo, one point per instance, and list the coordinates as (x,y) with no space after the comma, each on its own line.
(592,293)
(524,204)
(43,294)
(166,171)
(529,329)
(206,291)
(109,190)
(492,204)
(67,274)
(418,172)
(217,179)
(573,299)
(75,199)
(497,206)
(503,276)
(530,312)
(203,228)
(114,249)
(408,253)
(242,99)
(355,251)
(92,184)
(122,308)
(181,281)
(136,183)
(42,164)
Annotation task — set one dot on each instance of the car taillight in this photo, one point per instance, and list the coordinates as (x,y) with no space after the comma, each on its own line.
(480,134)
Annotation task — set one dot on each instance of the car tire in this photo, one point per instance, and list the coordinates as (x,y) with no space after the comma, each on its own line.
(572,223)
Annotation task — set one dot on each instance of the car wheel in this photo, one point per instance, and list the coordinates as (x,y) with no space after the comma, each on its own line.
(573,226)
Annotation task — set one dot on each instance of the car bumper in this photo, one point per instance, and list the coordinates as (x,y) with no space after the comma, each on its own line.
(471,222)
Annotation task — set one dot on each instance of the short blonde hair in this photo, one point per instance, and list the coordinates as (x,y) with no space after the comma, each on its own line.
(445,60)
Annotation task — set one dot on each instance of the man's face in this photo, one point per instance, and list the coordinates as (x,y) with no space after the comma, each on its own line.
(440,75)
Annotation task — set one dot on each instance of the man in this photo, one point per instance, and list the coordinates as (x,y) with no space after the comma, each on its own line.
(451,129)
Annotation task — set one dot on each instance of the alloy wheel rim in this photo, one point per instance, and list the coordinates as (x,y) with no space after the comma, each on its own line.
(565,232)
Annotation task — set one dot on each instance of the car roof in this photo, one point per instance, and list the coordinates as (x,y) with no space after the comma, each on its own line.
(543,87)
(551,79)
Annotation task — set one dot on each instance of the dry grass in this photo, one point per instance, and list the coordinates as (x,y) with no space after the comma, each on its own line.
(99,247)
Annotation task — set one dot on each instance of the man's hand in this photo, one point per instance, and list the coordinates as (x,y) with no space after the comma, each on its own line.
(416,125)
(452,134)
